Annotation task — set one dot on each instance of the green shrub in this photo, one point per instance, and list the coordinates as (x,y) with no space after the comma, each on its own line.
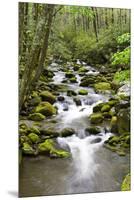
(122,76)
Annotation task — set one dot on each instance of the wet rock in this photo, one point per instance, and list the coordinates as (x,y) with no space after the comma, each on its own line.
(106,115)
(49,147)
(46,109)
(96,140)
(93,130)
(27,149)
(71,93)
(61,98)
(98,107)
(49,132)
(67,132)
(65,107)
(48,96)
(87,81)
(69,75)
(34,137)
(114,125)
(122,104)
(77,101)
(124,90)
(102,86)
(83,92)
(36,116)
(73,80)
(123,117)
(96,118)
(126,184)
(105,108)
(35,101)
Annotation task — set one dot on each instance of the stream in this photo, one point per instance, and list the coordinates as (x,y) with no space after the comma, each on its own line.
(92,168)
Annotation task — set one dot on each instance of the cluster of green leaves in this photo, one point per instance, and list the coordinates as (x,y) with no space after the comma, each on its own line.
(78,10)
(122,76)
(122,58)
(125,38)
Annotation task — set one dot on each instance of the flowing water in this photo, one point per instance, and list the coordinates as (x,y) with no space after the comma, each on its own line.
(92,168)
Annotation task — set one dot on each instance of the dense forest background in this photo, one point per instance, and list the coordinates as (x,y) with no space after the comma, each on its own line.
(98,36)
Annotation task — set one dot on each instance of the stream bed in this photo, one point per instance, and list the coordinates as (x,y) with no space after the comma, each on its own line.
(91,168)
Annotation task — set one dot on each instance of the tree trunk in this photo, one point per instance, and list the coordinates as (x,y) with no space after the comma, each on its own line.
(94,25)
(37,54)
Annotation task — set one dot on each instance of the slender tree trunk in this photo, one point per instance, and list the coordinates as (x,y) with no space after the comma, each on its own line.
(112,16)
(37,54)
(106,18)
(45,45)
(94,25)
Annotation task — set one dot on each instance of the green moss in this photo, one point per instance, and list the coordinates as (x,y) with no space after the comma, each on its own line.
(112,102)
(36,116)
(24,139)
(73,80)
(27,149)
(34,130)
(34,137)
(48,96)
(126,184)
(114,125)
(98,107)
(96,118)
(69,74)
(105,108)
(35,101)
(83,92)
(46,109)
(67,132)
(93,130)
(49,147)
(102,86)
(82,69)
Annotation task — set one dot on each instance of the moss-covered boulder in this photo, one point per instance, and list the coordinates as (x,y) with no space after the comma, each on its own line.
(46,109)
(96,118)
(123,121)
(27,149)
(51,132)
(24,139)
(83,92)
(82,70)
(126,184)
(105,108)
(93,130)
(98,107)
(102,86)
(71,93)
(34,129)
(34,137)
(73,80)
(48,96)
(87,81)
(114,124)
(67,132)
(48,147)
(119,144)
(36,116)
(69,74)
(113,102)
(35,101)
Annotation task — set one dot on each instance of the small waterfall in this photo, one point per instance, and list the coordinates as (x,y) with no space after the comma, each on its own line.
(83,153)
